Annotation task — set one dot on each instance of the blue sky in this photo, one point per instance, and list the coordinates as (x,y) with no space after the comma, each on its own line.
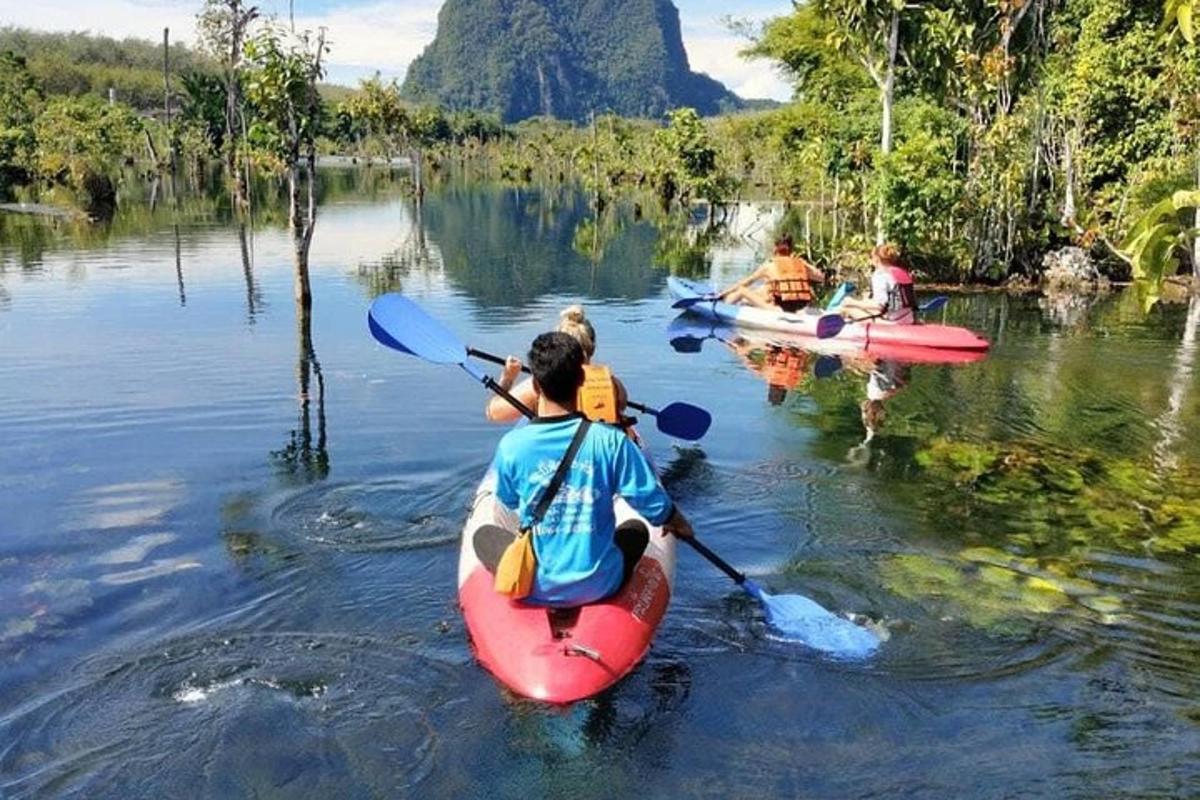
(385,35)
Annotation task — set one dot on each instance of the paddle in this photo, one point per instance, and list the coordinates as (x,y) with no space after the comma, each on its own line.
(399,323)
(831,325)
(798,618)
(679,420)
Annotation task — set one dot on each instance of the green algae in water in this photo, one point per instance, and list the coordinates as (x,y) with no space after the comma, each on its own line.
(1044,498)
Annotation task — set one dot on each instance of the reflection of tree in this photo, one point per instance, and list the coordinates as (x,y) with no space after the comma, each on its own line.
(302,458)
(179,266)
(253,295)
(508,247)
(412,256)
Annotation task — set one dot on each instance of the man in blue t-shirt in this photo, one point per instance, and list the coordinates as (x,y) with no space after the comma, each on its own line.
(581,555)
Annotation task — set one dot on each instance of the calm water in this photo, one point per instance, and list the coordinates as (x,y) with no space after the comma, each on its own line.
(227,569)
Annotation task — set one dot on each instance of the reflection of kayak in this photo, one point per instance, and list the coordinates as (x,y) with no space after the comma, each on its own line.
(804,323)
(688,331)
(558,656)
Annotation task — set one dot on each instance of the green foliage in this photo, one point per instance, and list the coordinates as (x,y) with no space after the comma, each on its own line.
(20,102)
(1156,241)
(1047,499)
(561,58)
(1180,15)
(82,137)
(83,64)
(282,86)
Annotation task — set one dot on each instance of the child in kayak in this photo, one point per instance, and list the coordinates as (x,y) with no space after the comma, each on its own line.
(892,293)
(582,556)
(602,397)
(788,279)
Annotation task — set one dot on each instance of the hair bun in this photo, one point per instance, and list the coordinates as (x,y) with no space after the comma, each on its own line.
(573,314)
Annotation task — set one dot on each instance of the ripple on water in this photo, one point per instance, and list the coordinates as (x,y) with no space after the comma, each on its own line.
(393,514)
(239,714)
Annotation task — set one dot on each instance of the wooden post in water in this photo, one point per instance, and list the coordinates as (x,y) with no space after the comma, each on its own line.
(167,96)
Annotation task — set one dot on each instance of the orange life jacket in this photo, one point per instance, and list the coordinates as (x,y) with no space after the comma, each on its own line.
(791,282)
(597,399)
(785,367)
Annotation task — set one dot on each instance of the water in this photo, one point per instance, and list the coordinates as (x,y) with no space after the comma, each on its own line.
(228,543)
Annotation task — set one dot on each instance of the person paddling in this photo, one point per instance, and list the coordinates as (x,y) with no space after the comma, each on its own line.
(602,397)
(893,296)
(582,557)
(788,282)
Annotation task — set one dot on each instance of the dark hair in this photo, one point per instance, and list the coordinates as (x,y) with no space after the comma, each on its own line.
(556,361)
(784,245)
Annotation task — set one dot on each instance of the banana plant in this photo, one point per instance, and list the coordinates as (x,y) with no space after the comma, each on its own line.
(1156,242)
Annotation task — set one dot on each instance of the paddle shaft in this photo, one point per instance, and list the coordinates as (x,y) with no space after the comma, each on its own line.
(930,305)
(716,560)
(482,356)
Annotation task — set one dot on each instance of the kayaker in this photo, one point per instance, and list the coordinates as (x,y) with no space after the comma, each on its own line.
(602,397)
(788,278)
(582,556)
(893,296)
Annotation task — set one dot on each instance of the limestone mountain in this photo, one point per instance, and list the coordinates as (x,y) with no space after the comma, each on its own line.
(562,58)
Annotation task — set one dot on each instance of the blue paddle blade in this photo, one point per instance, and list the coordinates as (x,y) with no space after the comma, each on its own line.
(798,619)
(830,326)
(842,291)
(401,324)
(684,421)
(934,304)
(827,366)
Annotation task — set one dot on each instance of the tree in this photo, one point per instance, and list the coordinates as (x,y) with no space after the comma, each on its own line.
(283,87)
(869,30)
(20,101)
(223,26)
(80,142)
(689,147)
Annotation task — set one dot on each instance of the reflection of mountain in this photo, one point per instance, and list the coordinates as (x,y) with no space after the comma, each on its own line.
(508,247)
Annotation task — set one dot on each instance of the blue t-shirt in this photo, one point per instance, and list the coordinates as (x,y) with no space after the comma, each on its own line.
(578,561)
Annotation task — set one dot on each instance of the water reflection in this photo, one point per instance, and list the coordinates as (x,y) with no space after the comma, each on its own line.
(305,457)
(1024,528)
(508,247)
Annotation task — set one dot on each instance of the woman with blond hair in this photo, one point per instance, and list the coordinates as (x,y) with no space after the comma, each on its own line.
(602,397)
(892,293)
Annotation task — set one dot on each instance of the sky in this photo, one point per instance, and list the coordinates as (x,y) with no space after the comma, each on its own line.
(385,35)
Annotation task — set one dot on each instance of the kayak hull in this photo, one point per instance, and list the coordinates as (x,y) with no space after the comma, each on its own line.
(561,656)
(804,323)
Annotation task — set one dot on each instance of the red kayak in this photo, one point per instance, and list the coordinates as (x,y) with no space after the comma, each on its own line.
(560,656)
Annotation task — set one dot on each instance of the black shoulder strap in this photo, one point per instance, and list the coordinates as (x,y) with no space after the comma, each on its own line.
(561,474)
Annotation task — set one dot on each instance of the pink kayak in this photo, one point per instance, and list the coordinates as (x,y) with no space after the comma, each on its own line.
(804,323)
(561,656)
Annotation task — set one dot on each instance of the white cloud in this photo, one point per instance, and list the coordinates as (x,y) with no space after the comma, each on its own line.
(370,35)
(714,49)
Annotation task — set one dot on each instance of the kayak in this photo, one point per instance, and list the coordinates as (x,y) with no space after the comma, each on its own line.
(687,333)
(804,323)
(560,656)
